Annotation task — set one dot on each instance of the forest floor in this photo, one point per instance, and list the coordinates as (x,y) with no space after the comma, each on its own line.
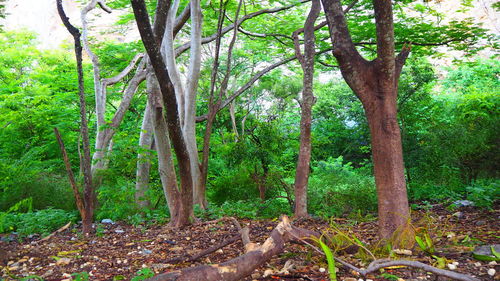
(119,250)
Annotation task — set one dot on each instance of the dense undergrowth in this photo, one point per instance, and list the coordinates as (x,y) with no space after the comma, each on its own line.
(449,132)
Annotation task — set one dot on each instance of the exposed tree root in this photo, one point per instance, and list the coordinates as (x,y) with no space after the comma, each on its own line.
(256,255)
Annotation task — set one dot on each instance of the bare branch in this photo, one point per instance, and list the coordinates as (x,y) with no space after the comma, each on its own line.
(256,77)
(124,72)
(181,20)
(181,49)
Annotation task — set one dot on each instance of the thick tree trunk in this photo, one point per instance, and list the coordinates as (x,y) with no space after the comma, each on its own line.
(375,83)
(144,157)
(388,164)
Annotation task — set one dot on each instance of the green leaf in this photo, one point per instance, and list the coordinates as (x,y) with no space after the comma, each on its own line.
(495,253)
(329,259)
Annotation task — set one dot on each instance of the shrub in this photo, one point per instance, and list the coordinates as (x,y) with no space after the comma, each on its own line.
(251,209)
(483,193)
(41,222)
(336,188)
(116,200)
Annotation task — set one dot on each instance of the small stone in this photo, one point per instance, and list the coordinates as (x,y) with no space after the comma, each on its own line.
(268,272)
(118,261)
(212,241)
(478,264)
(492,263)
(188,238)
(220,251)
(107,221)
(452,266)
(403,252)
(491,272)
(47,273)
(63,261)
(321,269)
(455,263)
(146,252)
(463,203)
(479,223)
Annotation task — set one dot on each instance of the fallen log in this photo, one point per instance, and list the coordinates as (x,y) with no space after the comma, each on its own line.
(255,256)
(244,265)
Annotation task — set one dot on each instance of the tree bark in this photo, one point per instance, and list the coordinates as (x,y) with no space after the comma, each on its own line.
(375,84)
(164,150)
(144,157)
(169,104)
(307,63)
(88,191)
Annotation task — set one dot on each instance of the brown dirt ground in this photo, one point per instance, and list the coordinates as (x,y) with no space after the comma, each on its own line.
(120,255)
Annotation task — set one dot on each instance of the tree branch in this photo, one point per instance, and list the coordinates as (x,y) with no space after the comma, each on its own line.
(256,77)
(124,72)
(181,49)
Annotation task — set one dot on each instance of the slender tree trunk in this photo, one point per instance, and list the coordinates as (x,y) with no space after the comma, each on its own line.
(164,150)
(202,185)
(232,113)
(144,158)
(308,100)
(88,191)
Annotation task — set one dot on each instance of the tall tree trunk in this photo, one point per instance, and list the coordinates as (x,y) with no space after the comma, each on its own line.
(152,38)
(388,163)
(164,150)
(200,188)
(88,191)
(144,157)
(308,99)
(375,84)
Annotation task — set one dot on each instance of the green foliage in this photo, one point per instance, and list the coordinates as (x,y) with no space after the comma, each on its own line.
(483,193)
(41,222)
(252,209)
(143,274)
(425,242)
(390,277)
(336,188)
(116,201)
(80,276)
(331,261)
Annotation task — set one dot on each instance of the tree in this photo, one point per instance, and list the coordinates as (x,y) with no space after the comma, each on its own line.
(169,95)
(87,208)
(307,63)
(375,84)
